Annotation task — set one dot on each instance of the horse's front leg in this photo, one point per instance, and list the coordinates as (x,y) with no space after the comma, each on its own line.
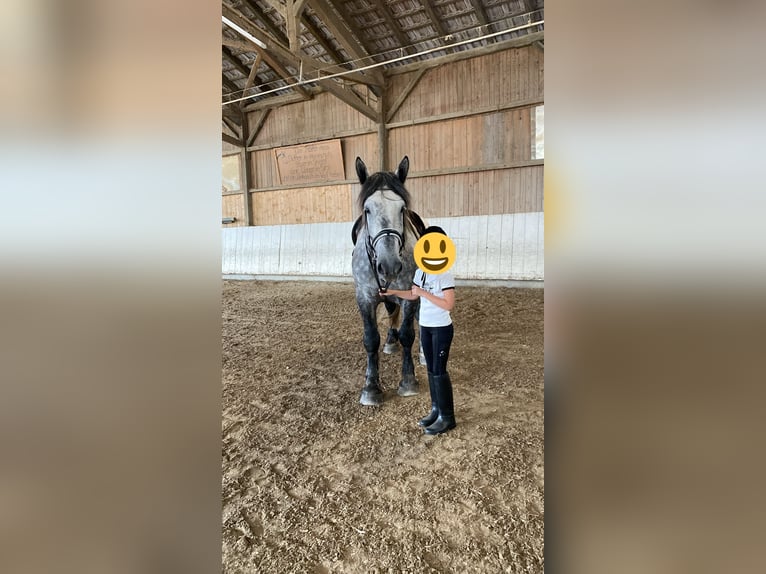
(408,386)
(372,395)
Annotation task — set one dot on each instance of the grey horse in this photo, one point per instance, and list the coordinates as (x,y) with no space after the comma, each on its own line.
(384,236)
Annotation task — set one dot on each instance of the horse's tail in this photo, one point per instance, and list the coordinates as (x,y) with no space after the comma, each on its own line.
(393,313)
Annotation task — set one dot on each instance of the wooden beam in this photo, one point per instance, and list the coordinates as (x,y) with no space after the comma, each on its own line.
(382,134)
(402,97)
(476,168)
(294,9)
(233,128)
(350,98)
(253,72)
(283,54)
(280,53)
(314,31)
(268,23)
(347,20)
(276,5)
(228,139)
(342,33)
(234,61)
(464,114)
(230,111)
(245,169)
(481,14)
(411,175)
(257,125)
(275,102)
(457,56)
(435,21)
(272,44)
(393,24)
(310,139)
(539,46)
(244,45)
(229,84)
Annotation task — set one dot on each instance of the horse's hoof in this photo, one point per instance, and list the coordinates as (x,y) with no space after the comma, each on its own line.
(408,389)
(390,348)
(371,398)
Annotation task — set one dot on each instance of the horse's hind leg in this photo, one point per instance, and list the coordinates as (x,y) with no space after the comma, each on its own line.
(408,385)
(392,339)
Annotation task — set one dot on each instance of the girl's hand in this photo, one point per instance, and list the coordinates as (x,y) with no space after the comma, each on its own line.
(417,291)
(385,293)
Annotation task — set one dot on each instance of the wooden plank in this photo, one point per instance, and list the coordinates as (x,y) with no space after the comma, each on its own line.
(310,163)
(235,130)
(253,72)
(309,139)
(257,125)
(402,97)
(467,113)
(277,101)
(519,42)
(348,96)
(246,170)
(233,141)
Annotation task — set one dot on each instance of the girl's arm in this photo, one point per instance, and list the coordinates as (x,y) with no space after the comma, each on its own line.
(397,293)
(447,303)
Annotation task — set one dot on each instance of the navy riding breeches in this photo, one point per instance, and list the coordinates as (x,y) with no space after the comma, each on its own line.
(436,342)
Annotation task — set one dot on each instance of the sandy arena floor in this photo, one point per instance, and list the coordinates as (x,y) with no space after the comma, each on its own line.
(313,482)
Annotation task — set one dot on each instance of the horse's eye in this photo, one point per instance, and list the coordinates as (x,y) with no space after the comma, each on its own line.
(367,210)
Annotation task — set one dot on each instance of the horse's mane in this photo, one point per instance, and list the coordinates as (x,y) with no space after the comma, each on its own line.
(379,180)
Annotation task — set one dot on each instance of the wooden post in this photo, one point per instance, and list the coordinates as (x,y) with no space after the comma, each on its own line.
(244,167)
(382,131)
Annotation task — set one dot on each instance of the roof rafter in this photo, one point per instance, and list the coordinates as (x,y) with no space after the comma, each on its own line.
(435,21)
(393,24)
(481,14)
(342,32)
(271,28)
(234,61)
(253,72)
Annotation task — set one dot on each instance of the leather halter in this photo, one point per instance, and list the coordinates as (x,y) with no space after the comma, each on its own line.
(373,257)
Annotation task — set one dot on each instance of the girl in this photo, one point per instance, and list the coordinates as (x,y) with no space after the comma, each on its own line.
(437,299)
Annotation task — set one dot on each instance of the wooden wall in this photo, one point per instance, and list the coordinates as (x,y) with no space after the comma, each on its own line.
(467,128)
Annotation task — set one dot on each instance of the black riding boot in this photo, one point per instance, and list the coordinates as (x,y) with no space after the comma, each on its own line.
(446,418)
(430,418)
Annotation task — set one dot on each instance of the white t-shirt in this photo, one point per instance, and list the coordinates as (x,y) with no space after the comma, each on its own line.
(430,314)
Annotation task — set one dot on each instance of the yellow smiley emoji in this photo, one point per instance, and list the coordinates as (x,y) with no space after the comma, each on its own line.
(434,253)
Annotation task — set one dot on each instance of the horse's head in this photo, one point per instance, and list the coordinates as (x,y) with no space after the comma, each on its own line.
(384,203)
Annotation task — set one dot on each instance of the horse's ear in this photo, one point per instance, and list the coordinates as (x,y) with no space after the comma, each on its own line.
(404,167)
(361,170)
(355,229)
(416,222)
